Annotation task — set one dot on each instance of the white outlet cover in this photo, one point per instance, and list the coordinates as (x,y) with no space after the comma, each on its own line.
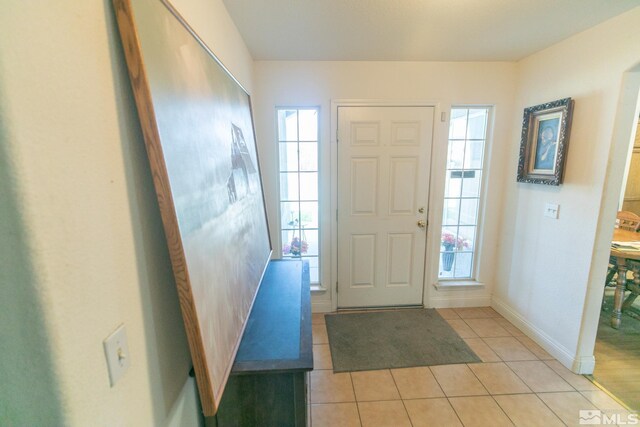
(116,350)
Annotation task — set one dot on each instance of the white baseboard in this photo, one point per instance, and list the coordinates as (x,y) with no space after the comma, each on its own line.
(458,301)
(582,365)
(321,306)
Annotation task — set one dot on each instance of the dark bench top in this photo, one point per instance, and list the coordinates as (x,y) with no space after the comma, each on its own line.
(277,337)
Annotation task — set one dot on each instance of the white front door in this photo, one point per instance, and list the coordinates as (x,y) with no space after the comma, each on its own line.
(384,158)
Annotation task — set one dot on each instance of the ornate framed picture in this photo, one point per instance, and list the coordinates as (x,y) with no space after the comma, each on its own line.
(544,143)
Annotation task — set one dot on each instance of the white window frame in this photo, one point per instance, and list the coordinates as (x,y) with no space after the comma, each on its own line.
(314,285)
(472,282)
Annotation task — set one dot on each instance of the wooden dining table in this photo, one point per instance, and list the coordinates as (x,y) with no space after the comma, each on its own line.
(620,258)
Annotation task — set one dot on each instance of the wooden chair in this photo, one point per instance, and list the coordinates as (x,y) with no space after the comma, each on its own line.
(627,221)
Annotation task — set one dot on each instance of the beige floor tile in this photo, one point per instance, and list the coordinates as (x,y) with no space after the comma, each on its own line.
(498,378)
(509,348)
(492,313)
(416,383)
(431,413)
(458,380)
(481,411)
(472,312)
(447,313)
(539,377)
(335,415)
(327,387)
(482,350)
(567,405)
(602,400)
(578,382)
(374,385)
(322,357)
(527,410)
(509,327)
(461,328)
(486,328)
(535,348)
(383,414)
(317,318)
(319,331)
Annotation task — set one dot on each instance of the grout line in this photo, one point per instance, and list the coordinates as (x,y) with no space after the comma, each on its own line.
(400,395)
(551,409)
(353,388)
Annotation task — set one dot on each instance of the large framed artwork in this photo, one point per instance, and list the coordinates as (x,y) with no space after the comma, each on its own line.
(544,142)
(198,131)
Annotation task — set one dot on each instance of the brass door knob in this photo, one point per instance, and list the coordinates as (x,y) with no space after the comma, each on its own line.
(422,224)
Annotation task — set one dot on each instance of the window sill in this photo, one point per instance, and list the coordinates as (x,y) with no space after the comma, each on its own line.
(458,285)
(317,288)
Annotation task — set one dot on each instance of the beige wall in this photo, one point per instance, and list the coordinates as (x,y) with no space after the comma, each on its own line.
(282,83)
(547,266)
(81,247)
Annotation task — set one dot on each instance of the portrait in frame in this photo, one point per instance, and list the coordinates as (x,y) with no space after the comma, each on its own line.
(544,142)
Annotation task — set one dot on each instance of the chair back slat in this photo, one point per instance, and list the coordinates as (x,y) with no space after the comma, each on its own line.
(626,220)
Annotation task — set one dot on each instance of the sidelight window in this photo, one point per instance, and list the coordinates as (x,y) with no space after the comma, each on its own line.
(463,192)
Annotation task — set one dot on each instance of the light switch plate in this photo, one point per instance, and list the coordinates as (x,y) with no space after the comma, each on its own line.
(551,210)
(116,349)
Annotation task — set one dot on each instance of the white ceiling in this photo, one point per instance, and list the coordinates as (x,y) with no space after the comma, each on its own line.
(413,30)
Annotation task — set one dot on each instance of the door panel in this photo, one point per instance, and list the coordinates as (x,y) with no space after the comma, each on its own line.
(383,180)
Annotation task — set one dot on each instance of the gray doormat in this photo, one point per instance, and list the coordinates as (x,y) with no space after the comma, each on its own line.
(394,339)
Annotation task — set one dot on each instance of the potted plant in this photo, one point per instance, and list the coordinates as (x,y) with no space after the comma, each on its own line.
(296,247)
(451,243)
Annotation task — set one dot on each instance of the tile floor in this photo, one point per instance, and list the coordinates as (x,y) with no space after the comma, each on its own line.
(518,383)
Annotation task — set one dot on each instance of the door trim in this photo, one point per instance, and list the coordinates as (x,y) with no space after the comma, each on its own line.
(335,105)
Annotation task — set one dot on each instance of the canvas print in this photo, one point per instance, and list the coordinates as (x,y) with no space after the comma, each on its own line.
(200,139)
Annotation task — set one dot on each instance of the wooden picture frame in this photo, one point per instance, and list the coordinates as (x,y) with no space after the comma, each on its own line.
(544,142)
(198,130)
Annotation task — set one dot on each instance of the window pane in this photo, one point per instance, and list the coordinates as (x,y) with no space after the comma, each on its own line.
(308,156)
(458,124)
(468,211)
(289,247)
(453,184)
(463,264)
(308,125)
(289,215)
(309,214)
(456,155)
(445,268)
(471,184)
(467,236)
(289,186)
(450,211)
(473,154)
(287,125)
(310,242)
(314,270)
(477,123)
(309,186)
(288,157)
